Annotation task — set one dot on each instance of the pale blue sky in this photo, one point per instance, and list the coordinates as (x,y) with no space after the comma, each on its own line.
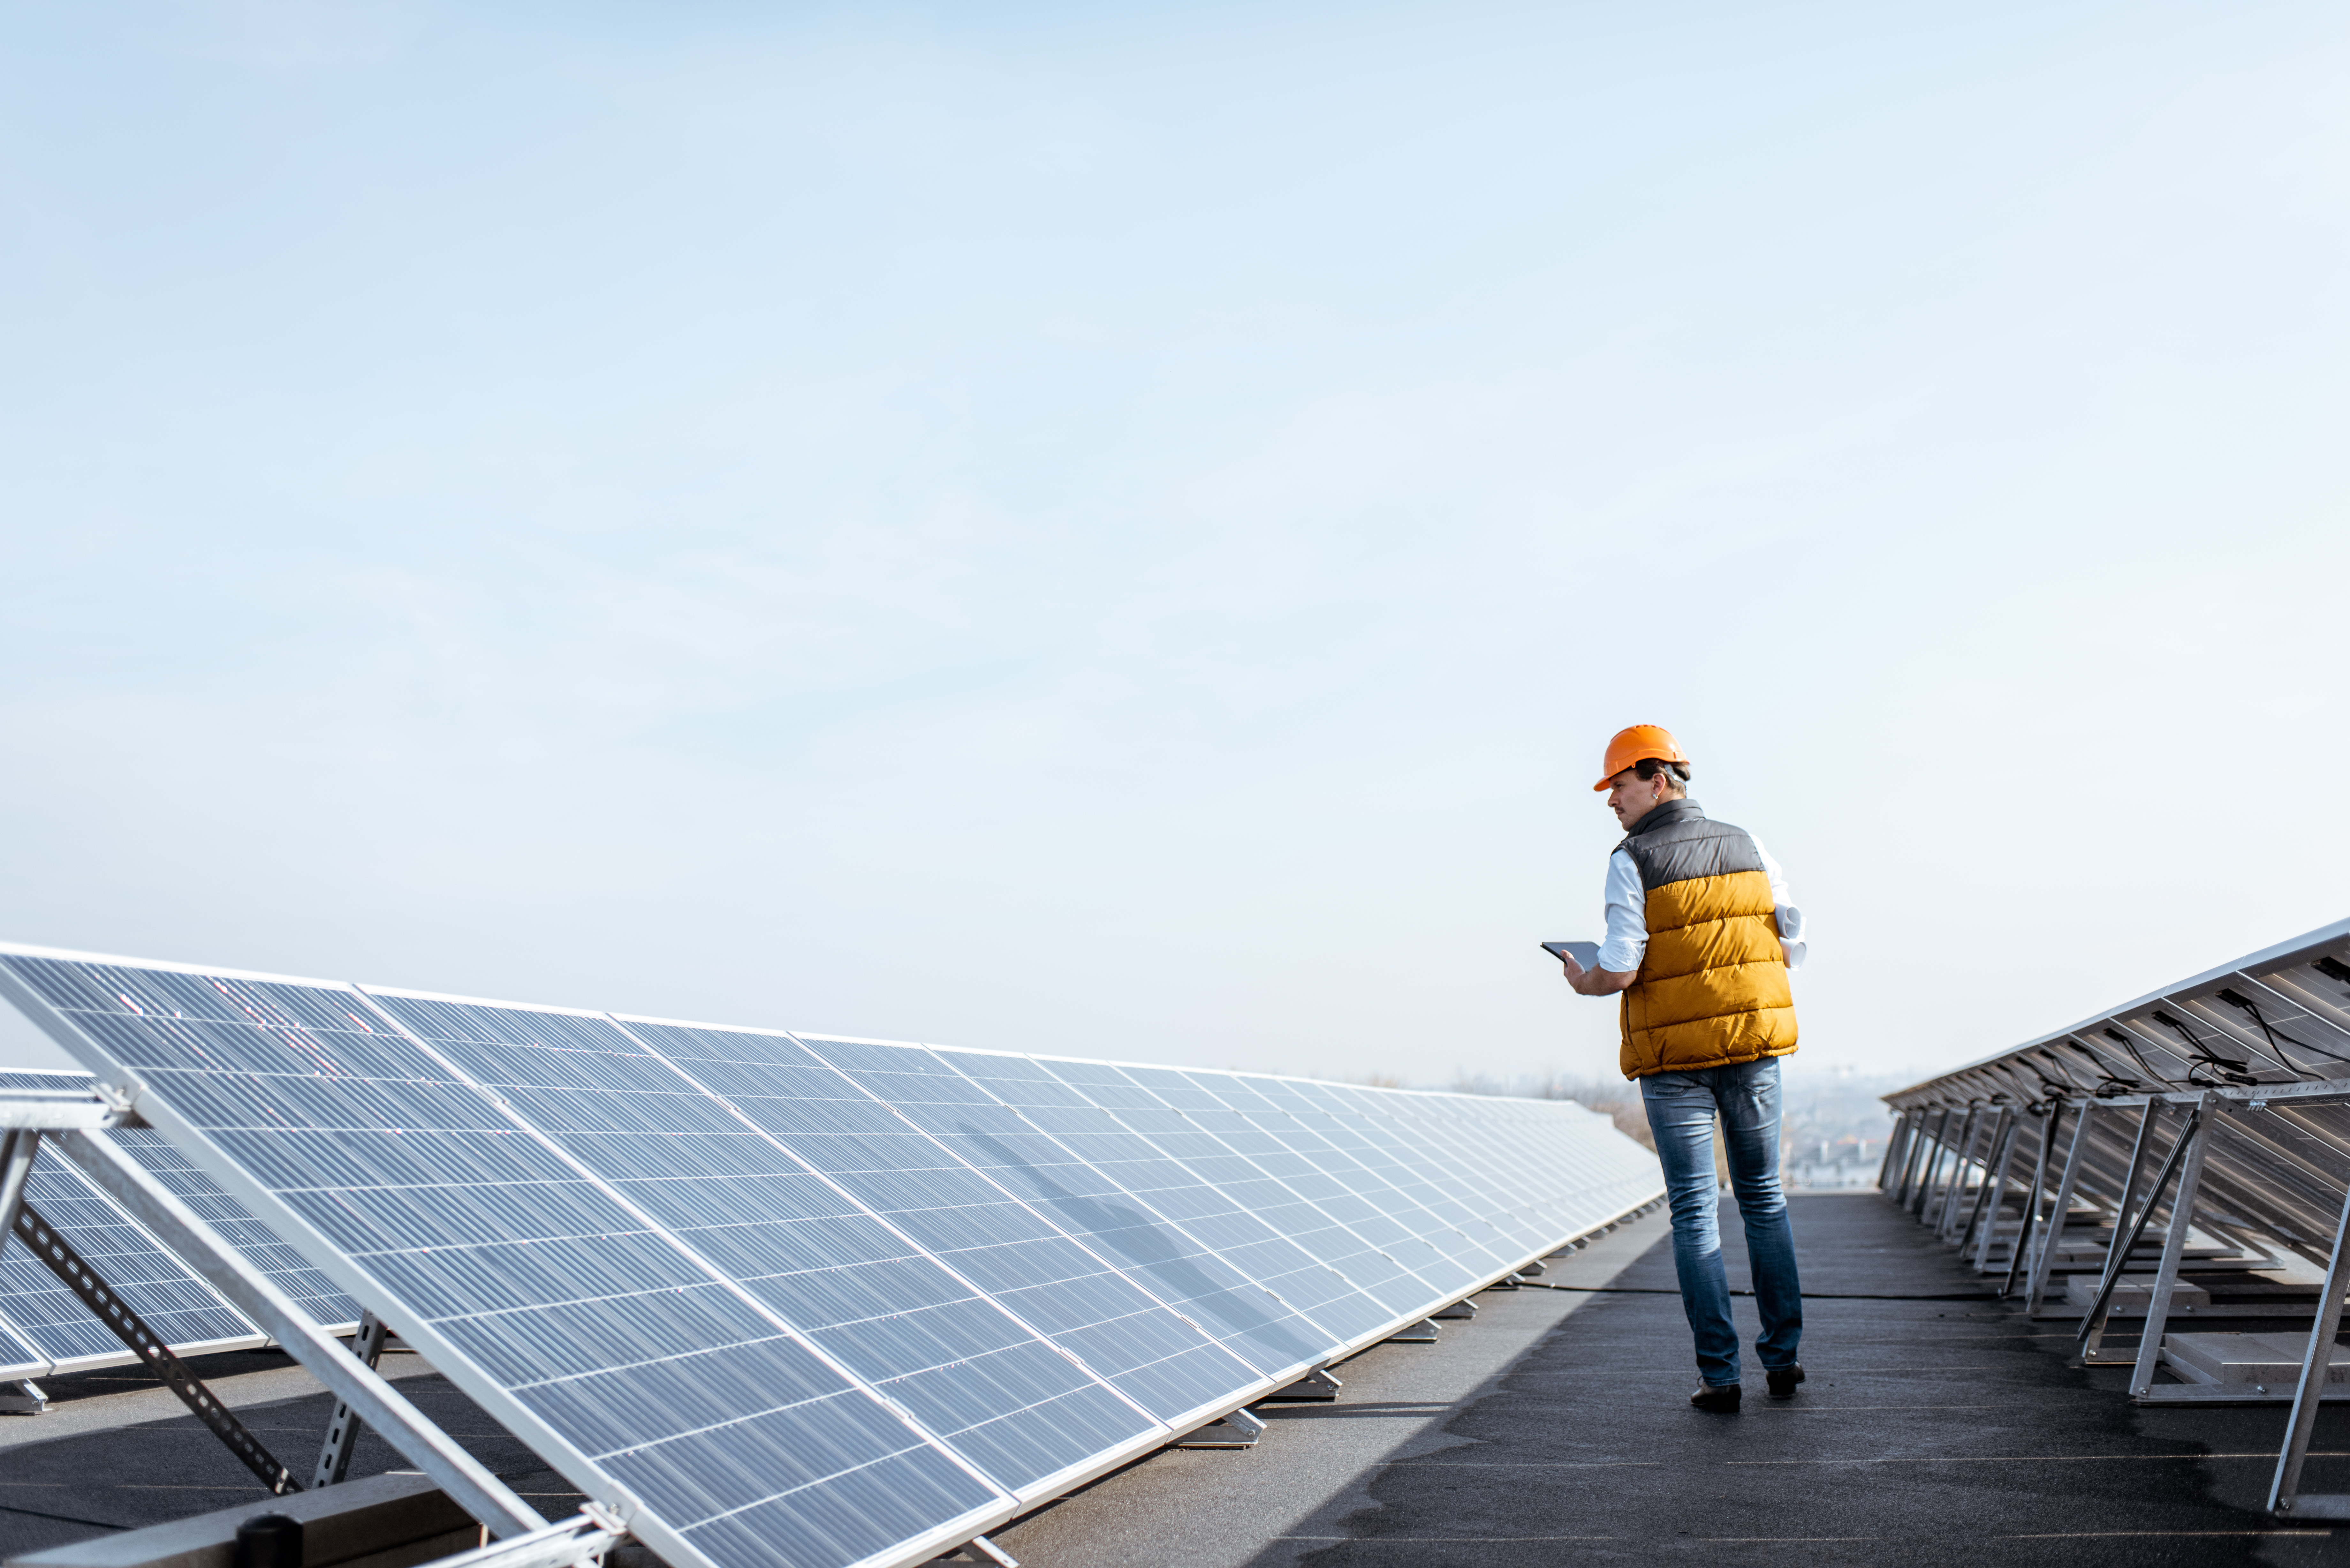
(1124,533)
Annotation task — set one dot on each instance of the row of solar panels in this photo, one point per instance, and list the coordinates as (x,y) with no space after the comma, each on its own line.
(2271,1032)
(2200,1136)
(816,1301)
(44,1328)
(2281,1016)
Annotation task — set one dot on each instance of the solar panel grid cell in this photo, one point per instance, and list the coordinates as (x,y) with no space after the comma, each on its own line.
(1304,1205)
(1272,1143)
(18,1359)
(1030,1271)
(328,1306)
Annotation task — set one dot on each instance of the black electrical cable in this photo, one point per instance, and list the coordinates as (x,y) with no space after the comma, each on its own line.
(2277,1041)
(2130,1045)
(2228,1068)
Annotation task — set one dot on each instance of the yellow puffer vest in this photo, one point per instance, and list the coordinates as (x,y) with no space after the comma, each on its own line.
(1712,990)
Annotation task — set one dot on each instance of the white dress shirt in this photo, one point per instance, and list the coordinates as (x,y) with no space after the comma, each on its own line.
(1628,914)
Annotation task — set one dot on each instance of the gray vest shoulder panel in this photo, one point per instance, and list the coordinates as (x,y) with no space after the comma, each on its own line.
(1677,843)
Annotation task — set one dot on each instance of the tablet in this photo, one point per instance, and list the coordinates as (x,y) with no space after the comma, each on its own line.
(1584,954)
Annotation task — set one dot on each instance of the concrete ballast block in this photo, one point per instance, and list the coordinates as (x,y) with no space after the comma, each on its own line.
(2134,1293)
(2273,1359)
(380,1521)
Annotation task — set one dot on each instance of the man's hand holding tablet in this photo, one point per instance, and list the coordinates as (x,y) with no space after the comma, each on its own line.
(1573,955)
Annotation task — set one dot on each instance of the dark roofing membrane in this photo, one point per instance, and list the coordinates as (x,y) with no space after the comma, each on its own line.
(1931,1432)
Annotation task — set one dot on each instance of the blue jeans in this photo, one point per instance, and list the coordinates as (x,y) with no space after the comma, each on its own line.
(1682,1108)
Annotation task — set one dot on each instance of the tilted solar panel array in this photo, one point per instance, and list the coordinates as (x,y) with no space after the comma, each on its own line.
(814,1301)
(2278,1162)
(43,1327)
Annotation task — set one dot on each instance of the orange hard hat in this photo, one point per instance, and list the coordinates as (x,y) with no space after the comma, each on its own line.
(1640,741)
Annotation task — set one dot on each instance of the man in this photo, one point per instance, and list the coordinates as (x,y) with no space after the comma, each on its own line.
(1701,937)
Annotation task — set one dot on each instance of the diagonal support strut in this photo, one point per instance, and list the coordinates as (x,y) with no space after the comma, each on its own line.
(109,1309)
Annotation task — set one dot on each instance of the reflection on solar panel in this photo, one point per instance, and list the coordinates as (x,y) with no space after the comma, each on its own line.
(808,1300)
(2190,1146)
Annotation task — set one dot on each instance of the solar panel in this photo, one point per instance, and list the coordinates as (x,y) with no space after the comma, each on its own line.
(1262,1124)
(961,1365)
(812,1300)
(1116,1197)
(1423,1238)
(184,1311)
(1200,1190)
(902,1174)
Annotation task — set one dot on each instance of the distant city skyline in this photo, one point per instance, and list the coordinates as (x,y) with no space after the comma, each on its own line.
(1124,534)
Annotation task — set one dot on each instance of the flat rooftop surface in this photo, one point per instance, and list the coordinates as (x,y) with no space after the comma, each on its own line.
(1553,1428)
(1932,1432)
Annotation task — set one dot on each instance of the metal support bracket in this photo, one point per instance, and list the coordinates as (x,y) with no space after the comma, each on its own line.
(1319,1385)
(1931,1155)
(1895,1147)
(27,1400)
(1913,1140)
(2028,1229)
(343,1430)
(109,1309)
(1941,1206)
(2195,1139)
(465,1478)
(1235,1429)
(2052,1235)
(1961,1233)
(2316,1363)
(1457,1311)
(1987,1219)
(2126,1235)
